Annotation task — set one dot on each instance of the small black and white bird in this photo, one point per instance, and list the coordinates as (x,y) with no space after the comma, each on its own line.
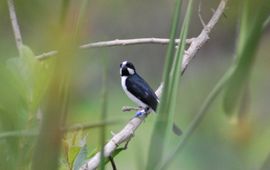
(138,90)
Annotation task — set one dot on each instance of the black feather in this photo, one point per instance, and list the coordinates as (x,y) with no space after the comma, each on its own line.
(140,89)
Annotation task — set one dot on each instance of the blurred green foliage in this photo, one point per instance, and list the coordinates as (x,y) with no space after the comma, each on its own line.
(252,20)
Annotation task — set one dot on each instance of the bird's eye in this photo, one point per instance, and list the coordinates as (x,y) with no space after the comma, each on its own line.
(120,65)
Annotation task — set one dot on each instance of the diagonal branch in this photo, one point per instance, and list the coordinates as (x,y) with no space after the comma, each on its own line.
(117,42)
(15,25)
(127,132)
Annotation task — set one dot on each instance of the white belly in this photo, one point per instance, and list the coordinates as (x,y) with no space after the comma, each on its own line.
(131,96)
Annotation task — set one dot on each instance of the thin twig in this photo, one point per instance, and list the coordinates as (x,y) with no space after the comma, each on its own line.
(89,126)
(15,25)
(130,108)
(20,133)
(72,128)
(128,131)
(200,15)
(266,22)
(117,42)
(112,163)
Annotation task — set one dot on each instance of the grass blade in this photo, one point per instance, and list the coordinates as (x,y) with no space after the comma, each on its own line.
(158,137)
(252,23)
(104,111)
(176,68)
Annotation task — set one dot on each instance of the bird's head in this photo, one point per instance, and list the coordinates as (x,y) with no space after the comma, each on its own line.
(127,69)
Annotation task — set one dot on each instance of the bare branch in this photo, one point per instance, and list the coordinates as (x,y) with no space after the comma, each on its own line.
(127,132)
(46,55)
(15,25)
(162,41)
(124,42)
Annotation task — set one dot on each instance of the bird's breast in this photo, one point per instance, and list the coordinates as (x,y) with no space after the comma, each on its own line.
(129,94)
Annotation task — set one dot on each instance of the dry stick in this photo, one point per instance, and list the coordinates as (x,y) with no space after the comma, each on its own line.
(15,25)
(128,131)
(124,42)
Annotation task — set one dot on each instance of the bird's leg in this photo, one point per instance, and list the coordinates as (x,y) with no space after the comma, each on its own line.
(143,112)
(139,113)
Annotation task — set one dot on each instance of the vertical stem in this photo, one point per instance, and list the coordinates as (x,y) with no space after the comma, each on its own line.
(104,107)
(47,150)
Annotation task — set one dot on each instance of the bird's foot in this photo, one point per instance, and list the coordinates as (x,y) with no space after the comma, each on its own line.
(141,113)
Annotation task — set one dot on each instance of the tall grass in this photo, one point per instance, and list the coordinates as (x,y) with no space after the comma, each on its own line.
(49,141)
(171,77)
(157,140)
(252,22)
(104,110)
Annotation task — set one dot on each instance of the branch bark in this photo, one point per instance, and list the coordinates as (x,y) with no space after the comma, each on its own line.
(127,132)
(117,42)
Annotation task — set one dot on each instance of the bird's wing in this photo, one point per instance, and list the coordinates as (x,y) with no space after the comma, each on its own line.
(140,88)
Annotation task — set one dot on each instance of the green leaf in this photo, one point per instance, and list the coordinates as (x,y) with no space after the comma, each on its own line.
(73,145)
(177,64)
(72,154)
(92,153)
(80,158)
(30,76)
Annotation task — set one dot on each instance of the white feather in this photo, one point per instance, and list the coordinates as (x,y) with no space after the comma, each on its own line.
(124,63)
(131,71)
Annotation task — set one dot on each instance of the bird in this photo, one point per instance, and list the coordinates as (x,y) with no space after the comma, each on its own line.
(139,91)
